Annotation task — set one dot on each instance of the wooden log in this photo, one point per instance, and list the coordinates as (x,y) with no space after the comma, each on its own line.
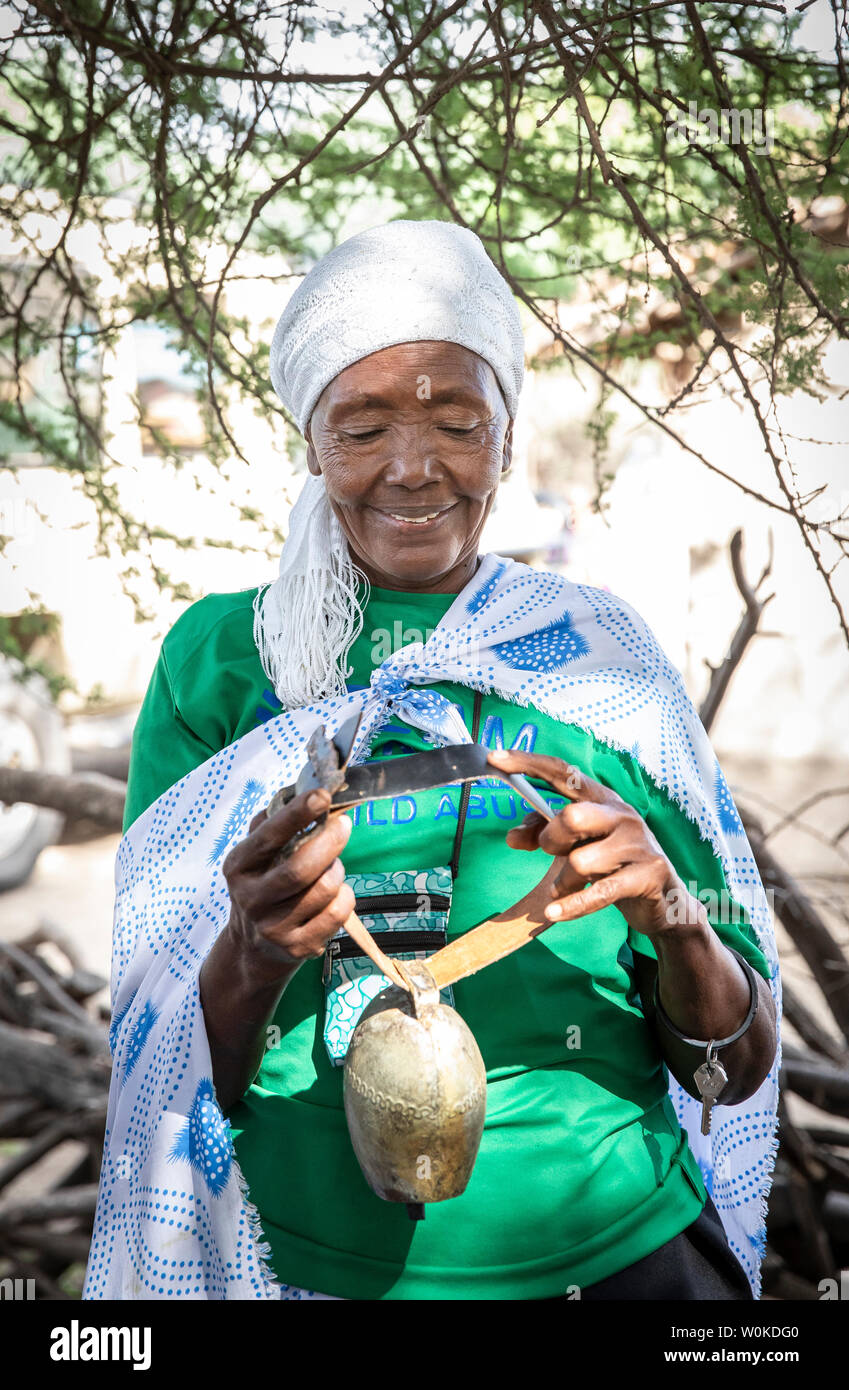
(810,935)
(798,1148)
(814,1161)
(50,932)
(817,1256)
(825,958)
(113,763)
(784,1284)
(819,1083)
(13,1005)
(79,983)
(45,979)
(87,1169)
(66,1127)
(76,1201)
(87,796)
(810,1030)
(13,1113)
(82,984)
(47,1072)
(72,1247)
(825,1134)
(92,1037)
(780,1212)
(836,1214)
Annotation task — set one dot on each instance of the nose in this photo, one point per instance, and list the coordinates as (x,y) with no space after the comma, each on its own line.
(414,459)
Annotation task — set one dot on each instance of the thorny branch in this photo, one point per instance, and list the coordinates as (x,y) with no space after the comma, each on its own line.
(549,130)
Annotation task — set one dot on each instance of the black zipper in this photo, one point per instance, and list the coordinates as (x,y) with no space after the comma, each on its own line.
(390,942)
(401,902)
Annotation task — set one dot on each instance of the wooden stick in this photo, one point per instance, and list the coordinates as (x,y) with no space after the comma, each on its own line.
(367,944)
(67,1127)
(817,1082)
(46,981)
(71,1246)
(810,1030)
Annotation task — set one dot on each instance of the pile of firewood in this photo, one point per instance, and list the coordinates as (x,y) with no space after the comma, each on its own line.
(54,1081)
(808,1221)
(54,1078)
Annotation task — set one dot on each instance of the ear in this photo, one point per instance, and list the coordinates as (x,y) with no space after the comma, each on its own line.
(507,453)
(312,458)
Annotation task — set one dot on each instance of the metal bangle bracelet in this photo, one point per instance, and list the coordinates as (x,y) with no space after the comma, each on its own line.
(714,1043)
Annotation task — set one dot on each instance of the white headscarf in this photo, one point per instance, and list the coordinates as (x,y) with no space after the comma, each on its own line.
(404,282)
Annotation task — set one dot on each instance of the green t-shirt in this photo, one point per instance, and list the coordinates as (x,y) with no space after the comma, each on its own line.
(583,1168)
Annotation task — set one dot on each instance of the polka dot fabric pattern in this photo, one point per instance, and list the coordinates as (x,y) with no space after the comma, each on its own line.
(174,1219)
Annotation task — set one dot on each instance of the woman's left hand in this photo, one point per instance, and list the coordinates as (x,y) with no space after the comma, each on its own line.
(606,844)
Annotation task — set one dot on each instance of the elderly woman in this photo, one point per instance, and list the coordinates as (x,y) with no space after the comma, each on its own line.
(235,987)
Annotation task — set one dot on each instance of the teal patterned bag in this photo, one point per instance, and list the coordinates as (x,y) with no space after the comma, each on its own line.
(407,914)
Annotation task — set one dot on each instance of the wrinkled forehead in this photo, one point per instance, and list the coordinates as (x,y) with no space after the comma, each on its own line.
(417,374)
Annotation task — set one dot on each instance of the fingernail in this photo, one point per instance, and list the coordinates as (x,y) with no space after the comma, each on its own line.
(347,825)
(554,911)
(316,801)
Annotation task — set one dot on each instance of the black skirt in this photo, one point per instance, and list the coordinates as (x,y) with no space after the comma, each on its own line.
(696,1265)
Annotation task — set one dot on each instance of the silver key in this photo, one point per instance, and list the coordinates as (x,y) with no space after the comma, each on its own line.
(711,1079)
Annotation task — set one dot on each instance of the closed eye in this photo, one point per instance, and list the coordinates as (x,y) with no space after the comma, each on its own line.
(365,434)
(455,429)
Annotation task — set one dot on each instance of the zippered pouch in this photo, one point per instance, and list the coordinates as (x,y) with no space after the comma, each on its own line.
(407,914)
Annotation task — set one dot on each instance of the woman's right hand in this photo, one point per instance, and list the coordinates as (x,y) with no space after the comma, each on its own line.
(283,913)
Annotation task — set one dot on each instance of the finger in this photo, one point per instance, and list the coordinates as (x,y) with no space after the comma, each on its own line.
(625,883)
(525,835)
(568,881)
(299,870)
(308,941)
(255,851)
(564,777)
(578,823)
(306,904)
(613,851)
(575,824)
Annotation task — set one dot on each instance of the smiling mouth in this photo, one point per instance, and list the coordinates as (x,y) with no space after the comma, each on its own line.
(418,517)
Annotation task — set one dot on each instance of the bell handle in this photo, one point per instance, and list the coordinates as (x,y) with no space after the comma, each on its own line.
(484,945)
(367,944)
(499,936)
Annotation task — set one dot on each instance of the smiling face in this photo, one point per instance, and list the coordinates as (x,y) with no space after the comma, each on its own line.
(411,442)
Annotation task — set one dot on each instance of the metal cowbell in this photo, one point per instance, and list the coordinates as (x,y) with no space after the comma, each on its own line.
(415,1093)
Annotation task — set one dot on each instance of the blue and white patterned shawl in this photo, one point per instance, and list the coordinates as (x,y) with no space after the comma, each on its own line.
(173,1218)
